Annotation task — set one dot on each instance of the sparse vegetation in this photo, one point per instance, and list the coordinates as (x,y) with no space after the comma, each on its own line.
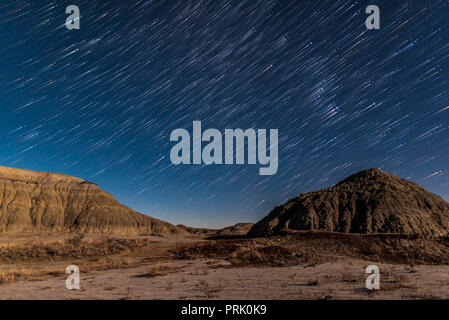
(318,247)
(209,291)
(87,253)
(315,282)
(74,248)
(158,270)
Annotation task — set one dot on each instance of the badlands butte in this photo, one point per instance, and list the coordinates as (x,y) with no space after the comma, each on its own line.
(41,201)
(315,246)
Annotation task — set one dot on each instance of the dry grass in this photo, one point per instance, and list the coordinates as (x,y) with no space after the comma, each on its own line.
(43,258)
(315,282)
(46,258)
(400,282)
(210,291)
(39,272)
(128,295)
(319,247)
(350,278)
(158,270)
(269,255)
(243,253)
(27,274)
(391,284)
(77,247)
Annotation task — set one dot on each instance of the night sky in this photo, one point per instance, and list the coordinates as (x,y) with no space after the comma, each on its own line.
(100,102)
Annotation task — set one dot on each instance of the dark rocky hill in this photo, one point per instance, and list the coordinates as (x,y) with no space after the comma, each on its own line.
(371,201)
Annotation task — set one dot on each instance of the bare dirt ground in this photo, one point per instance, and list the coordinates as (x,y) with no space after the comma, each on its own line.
(302,266)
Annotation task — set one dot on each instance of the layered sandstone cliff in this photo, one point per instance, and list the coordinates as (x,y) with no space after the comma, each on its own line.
(41,201)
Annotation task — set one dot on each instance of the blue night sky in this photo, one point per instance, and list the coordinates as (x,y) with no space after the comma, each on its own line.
(100,102)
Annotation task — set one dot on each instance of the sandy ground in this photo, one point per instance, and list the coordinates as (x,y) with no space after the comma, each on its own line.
(306,266)
(214,279)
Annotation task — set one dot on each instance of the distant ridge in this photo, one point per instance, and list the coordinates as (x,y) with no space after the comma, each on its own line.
(235,230)
(371,201)
(43,201)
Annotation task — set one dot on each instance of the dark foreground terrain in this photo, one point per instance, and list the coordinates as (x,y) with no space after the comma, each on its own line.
(293,265)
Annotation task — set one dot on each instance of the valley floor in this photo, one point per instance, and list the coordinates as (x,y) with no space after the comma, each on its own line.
(294,267)
(201,279)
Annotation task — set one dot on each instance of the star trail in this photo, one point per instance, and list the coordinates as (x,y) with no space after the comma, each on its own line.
(100,102)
